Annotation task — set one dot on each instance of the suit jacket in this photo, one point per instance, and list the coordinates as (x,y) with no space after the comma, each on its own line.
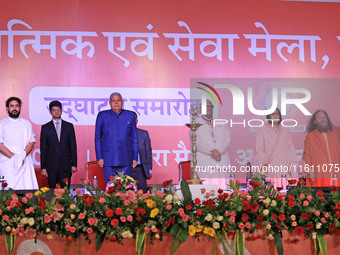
(145,151)
(116,138)
(54,154)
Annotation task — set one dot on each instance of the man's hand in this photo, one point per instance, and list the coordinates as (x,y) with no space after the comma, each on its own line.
(101,162)
(216,155)
(134,163)
(44,172)
(74,169)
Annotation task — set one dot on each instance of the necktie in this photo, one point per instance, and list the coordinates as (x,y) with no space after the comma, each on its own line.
(57,128)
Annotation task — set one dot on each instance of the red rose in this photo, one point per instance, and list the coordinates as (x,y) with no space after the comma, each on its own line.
(4,184)
(334,188)
(260,218)
(282,217)
(117,182)
(197,201)
(19,204)
(189,207)
(331,226)
(280,197)
(309,214)
(254,207)
(274,216)
(291,198)
(226,195)
(119,186)
(277,224)
(323,200)
(304,216)
(136,209)
(220,196)
(245,206)
(172,220)
(109,213)
(212,207)
(292,182)
(65,180)
(118,211)
(254,184)
(337,214)
(167,224)
(245,217)
(310,226)
(220,191)
(114,222)
(291,204)
(199,212)
(69,239)
(85,196)
(225,225)
(139,218)
(337,206)
(319,193)
(258,225)
(142,211)
(111,190)
(299,230)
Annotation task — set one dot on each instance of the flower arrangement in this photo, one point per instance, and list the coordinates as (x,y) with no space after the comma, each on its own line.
(122,213)
(121,183)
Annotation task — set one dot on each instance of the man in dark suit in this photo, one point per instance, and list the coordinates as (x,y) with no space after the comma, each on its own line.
(116,138)
(143,170)
(58,148)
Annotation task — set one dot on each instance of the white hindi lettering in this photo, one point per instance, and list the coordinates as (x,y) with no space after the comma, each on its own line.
(80,105)
(254,49)
(217,52)
(158,156)
(142,44)
(158,105)
(38,46)
(182,154)
(122,44)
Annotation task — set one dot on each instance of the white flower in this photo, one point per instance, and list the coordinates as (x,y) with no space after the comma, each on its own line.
(216,225)
(220,218)
(127,234)
(169,198)
(270,237)
(176,198)
(267,201)
(30,221)
(273,203)
(318,225)
(24,220)
(208,217)
(265,212)
(313,235)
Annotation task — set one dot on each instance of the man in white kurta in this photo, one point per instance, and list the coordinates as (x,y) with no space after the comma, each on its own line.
(212,149)
(16,143)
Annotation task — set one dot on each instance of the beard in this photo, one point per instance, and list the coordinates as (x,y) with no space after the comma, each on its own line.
(323,126)
(14,114)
